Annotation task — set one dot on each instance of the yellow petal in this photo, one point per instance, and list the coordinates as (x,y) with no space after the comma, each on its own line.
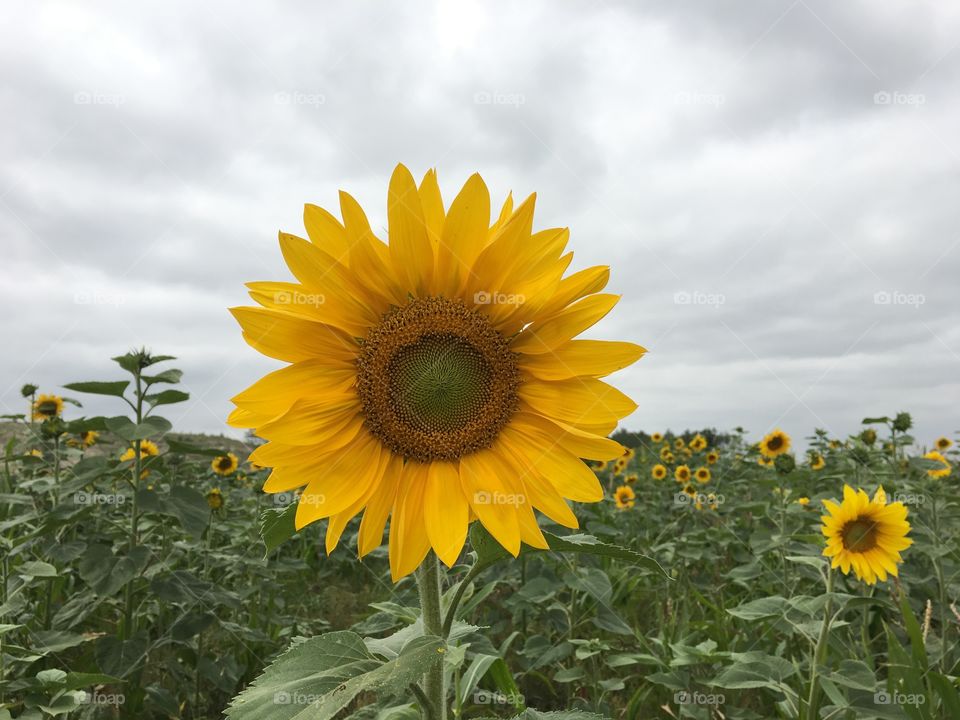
(445,511)
(379,506)
(326,232)
(292,339)
(547,335)
(572,288)
(482,477)
(309,422)
(409,543)
(582,357)
(580,443)
(432,202)
(577,400)
(340,482)
(410,250)
(463,237)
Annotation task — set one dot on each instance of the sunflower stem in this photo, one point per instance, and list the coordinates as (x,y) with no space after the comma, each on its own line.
(428,583)
(820,651)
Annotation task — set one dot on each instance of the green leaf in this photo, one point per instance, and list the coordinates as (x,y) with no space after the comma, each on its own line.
(874,420)
(316,678)
(754,670)
(35,569)
(167,397)
(52,641)
(471,678)
(167,376)
(129,430)
(115,389)
(277,526)
(186,448)
(121,657)
(106,573)
(190,508)
(768,607)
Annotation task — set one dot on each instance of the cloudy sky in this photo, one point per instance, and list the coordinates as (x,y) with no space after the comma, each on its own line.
(774,184)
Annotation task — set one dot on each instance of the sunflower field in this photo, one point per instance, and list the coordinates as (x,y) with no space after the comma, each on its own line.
(432,515)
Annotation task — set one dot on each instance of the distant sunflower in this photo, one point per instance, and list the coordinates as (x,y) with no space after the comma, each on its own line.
(712,501)
(225,464)
(624,497)
(866,535)
(942,471)
(215,499)
(47,406)
(665,452)
(619,466)
(698,443)
(712,457)
(630,479)
(765,461)
(89,437)
(689,490)
(702,475)
(944,443)
(629,454)
(668,458)
(679,444)
(803,501)
(601,466)
(686,452)
(659,472)
(776,443)
(434,375)
(817,462)
(656,437)
(147,449)
(682,474)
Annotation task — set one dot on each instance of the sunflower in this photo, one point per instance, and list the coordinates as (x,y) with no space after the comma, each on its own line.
(668,457)
(866,534)
(943,443)
(665,452)
(712,501)
(765,461)
(434,379)
(619,466)
(89,437)
(817,462)
(47,406)
(776,443)
(630,479)
(225,464)
(804,501)
(941,471)
(624,497)
(629,454)
(147,449)
(689,490)
(702,475)
(659,472)
(679,444)
(698,443)
(215,499)
(600,466)
(686,452)
(682,474)
(712,457)
(656,438)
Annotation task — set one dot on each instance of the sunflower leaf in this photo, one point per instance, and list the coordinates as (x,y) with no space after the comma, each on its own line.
(277,526)
(167,397)
(116,389)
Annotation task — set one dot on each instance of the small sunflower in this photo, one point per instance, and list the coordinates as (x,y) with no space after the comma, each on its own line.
(629,454)
(776,443)
(619,466)
(712,501)
(686,452)
(702,475)
(47,406)
(712,457)
(659,472)
(89,437)
(689,490)
(225,464)
(835,444)
(866,535)
(817,462)
(665,452)
(435,376)
(35,453)
(668,458)
(803,501)
(630,479)
(624,497)
(601,466)
(147,449)
(656,437)
(698,443)
(215,499)
(941,471)
(679,444)
(943,443)
(682,474)
(765,461)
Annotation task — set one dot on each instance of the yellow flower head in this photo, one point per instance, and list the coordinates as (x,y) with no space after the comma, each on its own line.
(624,497)
(702,475)
(147,449)
(225,464)
(944,443)
(776,443)
(690,490)
(35,453)
(656,437)
(664,452)
(659,472)
(765,461)
(942,471)
(630,479)
(712,501)
(434,378)
(686,452)
(47,406)
(682,474)
(866,535)
(698,443)
(215,499)
(817,462)
(803,501)
(89,437)
(619,466)
(601,466)
(667,458)
(629,454)
(712,457)
(679,444)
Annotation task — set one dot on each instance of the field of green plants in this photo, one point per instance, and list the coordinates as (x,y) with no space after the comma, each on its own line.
(147,575)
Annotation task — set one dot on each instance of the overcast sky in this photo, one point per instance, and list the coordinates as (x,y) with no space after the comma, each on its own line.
(774,184)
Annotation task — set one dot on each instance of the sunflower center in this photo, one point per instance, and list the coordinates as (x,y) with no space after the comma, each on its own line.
(224,463)
(436,381)
(775,443)
(859,535)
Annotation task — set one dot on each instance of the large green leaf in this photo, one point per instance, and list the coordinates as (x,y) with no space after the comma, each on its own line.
(277,526)
(316,678)
(106,573)
(167,397)
(129,430)
(116,389)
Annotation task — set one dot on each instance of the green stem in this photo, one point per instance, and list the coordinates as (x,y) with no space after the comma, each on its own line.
(128,619)
(428,583)
(819,652)
(942,600)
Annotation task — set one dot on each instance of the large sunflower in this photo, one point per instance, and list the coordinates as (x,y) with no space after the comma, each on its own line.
(775,443)
(434,379)
(47,406)
(866,535)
